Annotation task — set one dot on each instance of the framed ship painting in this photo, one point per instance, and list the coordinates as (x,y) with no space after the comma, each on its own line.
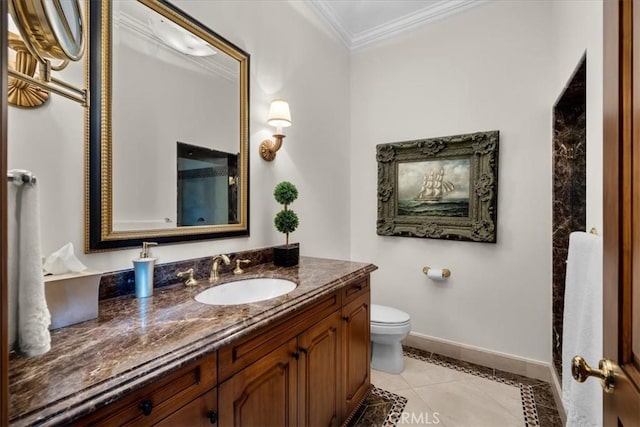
(439,188)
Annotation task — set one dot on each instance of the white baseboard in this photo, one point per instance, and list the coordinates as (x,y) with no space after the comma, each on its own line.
(556,389)
(496,360)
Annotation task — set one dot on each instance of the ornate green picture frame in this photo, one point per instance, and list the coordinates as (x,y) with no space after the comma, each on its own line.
(439,188)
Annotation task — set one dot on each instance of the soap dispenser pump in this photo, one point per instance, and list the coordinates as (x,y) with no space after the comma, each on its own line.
(143,269)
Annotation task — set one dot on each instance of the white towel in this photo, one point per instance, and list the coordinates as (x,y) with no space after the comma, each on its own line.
(29,317)
(582,329)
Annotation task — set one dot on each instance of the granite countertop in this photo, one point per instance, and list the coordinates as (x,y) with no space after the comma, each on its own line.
(135,341)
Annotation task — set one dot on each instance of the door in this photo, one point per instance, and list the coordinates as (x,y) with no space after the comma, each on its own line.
(4,316)
(319,396)
(264,393)
(621,277)
(357,351)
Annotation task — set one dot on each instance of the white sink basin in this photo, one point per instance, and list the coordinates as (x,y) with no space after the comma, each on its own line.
(245,291)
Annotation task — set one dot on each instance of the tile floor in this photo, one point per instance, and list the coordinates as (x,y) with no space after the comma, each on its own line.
(442,395)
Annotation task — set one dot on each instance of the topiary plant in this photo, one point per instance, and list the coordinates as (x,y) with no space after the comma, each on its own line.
(286,221)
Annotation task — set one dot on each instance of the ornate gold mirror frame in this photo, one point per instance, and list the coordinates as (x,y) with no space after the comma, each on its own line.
(99,166)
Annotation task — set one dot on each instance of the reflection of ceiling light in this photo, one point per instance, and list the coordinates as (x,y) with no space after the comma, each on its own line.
(178,38)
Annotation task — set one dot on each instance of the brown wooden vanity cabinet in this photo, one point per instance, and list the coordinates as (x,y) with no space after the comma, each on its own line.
(297,384)
(186,394)
(311,368)
(317,376)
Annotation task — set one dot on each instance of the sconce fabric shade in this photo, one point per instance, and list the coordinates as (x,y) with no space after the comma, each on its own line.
(279,114)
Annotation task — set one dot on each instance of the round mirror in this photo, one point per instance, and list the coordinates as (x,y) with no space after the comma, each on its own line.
(51,29)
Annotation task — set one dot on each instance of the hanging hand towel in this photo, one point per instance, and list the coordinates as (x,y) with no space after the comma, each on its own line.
(29,317)
(582,328)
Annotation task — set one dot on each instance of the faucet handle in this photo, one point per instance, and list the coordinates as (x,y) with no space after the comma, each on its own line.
(238,270)
(191,281)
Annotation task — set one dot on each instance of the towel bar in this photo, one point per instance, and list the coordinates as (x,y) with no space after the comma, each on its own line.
(26,179)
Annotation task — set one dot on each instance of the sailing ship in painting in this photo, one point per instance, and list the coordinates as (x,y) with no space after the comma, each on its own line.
(441,189)
(434,187)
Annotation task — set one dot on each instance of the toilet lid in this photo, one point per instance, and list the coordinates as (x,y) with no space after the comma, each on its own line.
(388,315)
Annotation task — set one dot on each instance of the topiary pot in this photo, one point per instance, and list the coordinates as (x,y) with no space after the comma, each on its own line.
(286,256)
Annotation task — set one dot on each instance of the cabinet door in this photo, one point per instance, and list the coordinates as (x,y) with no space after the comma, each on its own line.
(264,393)
(357,349)
(201,412)
(319,391)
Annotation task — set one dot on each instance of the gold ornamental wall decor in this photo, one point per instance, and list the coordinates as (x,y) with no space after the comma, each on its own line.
(21,93)
(49,30)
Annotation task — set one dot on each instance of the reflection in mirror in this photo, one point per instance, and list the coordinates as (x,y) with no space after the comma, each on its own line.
(207,186)
(171,80)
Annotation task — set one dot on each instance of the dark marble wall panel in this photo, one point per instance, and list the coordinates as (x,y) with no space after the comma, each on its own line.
(569,190)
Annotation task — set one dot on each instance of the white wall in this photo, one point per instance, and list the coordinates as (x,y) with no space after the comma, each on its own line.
(290,59)
(487,68)
(578,29)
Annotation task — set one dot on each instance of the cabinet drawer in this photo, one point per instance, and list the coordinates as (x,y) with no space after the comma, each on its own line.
(202,412)
(155,401)
(245,351)
(356,289)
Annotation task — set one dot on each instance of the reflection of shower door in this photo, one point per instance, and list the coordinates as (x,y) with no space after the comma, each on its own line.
(206,186)
(197,202)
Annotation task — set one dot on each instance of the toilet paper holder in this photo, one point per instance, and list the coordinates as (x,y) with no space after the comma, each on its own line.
(445,271)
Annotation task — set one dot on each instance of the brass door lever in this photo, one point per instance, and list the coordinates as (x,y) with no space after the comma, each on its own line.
(581,370)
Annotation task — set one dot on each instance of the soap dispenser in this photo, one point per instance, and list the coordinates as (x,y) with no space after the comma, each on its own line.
(143,268)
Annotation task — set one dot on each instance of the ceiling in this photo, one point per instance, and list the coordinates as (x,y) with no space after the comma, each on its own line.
(358,23)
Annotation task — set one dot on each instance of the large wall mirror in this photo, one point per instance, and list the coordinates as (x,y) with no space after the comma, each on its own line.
(168,128)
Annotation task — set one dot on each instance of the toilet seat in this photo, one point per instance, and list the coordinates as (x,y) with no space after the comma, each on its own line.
(387,316)
(391,329)
(388,320)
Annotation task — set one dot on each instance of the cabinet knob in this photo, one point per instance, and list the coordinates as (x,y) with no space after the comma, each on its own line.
(146,406)
(295,355)
(302,350)
(345,319)
(213,417)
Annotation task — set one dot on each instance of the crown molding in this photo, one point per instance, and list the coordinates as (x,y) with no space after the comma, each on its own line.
(326,15)
(434,12)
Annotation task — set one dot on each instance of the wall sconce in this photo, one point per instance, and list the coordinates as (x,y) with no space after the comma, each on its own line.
(280,117)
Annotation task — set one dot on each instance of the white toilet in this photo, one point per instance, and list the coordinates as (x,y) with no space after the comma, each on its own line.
(388,327)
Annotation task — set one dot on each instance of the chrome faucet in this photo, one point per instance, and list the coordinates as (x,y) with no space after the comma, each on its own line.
(214,267)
